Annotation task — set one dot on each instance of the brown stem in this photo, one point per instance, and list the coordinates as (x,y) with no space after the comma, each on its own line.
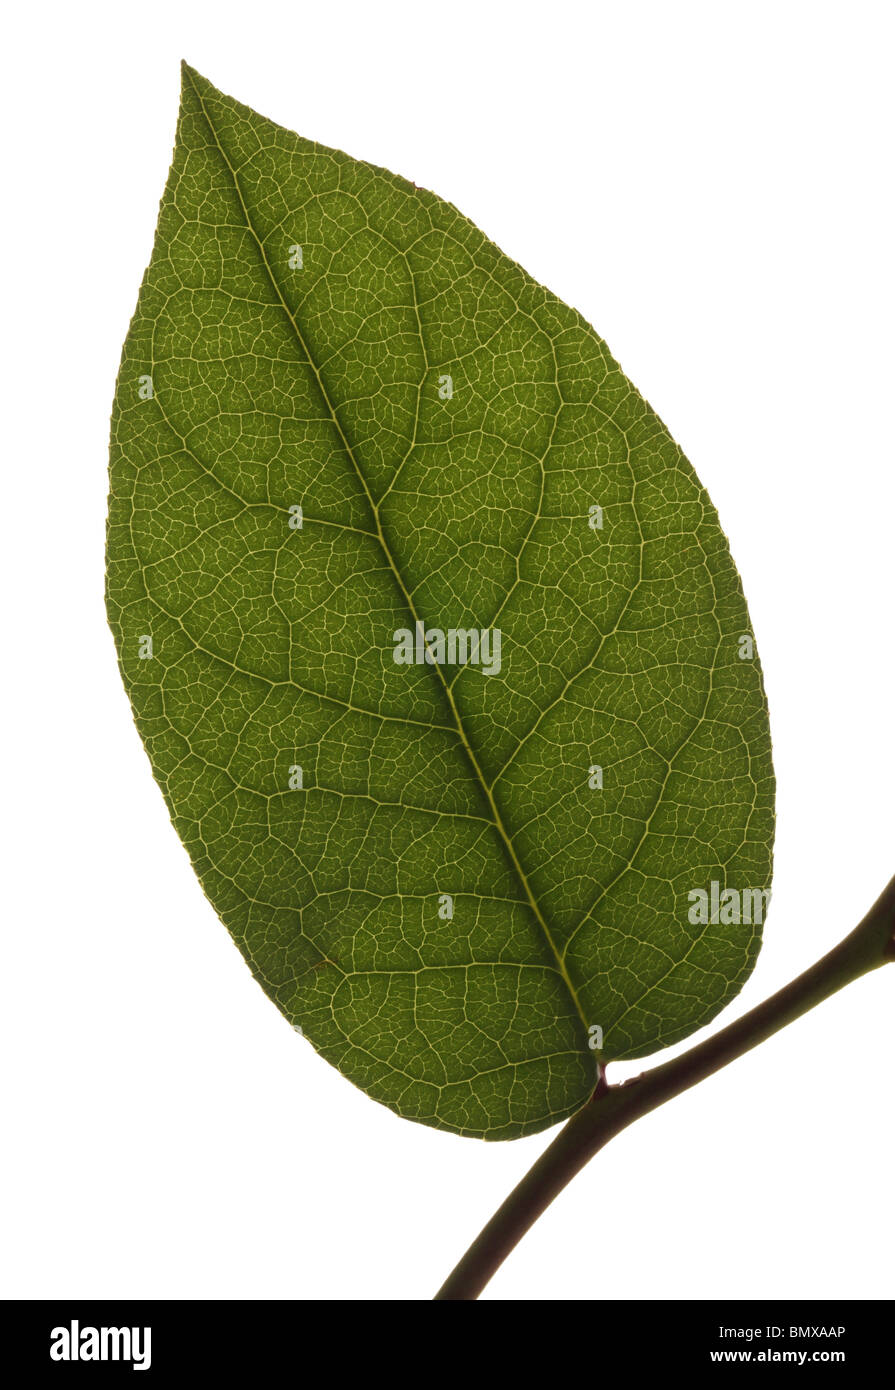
(612,1108)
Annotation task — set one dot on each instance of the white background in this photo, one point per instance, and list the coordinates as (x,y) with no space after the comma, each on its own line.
(711,185)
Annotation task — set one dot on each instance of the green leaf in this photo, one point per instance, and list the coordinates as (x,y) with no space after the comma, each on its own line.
(444,898)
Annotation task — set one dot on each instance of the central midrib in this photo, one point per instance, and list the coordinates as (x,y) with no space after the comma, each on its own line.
(386,550)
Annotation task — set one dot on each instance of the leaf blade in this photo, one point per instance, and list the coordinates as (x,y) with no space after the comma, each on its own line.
(320,388)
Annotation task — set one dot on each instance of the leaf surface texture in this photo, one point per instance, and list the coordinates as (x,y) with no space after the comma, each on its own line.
(257,378)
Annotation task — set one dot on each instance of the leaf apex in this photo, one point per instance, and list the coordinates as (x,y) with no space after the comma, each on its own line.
(190,76)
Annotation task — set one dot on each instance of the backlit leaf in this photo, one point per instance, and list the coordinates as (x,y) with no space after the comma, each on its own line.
(342,412)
